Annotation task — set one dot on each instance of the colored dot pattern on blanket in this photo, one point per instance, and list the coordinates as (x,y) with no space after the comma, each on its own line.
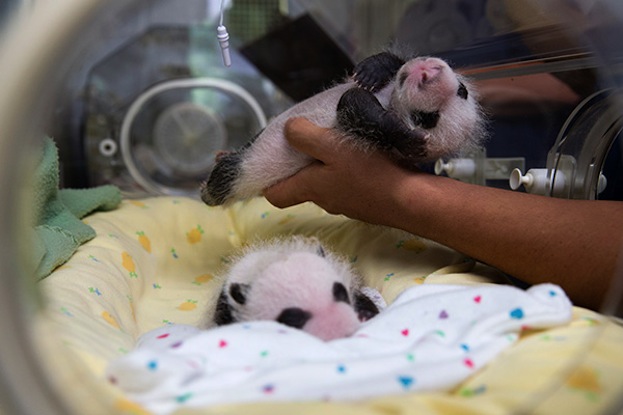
(260,363)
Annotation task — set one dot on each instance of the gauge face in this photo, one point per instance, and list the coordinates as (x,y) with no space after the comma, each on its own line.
(186,136)
(172,132)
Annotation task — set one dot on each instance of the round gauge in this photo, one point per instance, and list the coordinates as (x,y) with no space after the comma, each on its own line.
(172,132)
(186,135)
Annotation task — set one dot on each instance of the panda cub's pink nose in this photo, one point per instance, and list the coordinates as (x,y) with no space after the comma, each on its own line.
(338,320)
(426,71)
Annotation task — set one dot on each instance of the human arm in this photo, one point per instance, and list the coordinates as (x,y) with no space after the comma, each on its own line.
(572,243)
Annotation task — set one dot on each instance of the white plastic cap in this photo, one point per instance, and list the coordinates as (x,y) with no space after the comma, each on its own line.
(535,181)
(456,168)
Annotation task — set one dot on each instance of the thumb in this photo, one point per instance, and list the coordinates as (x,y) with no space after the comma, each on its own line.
(293,190)
(307,137)
(317,142)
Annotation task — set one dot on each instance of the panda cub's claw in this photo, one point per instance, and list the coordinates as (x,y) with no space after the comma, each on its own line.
(376,71)
(219,188)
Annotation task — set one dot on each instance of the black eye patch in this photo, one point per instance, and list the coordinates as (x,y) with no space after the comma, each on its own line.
(340,293)
(239,292)
(294,317)
(462,91)
(426,120)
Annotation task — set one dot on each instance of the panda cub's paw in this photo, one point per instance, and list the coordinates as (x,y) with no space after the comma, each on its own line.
(376,71)
(359,114)
(220,186)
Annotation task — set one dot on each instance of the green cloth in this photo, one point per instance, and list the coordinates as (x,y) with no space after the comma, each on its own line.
(58,230)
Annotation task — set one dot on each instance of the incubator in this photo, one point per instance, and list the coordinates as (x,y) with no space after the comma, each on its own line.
(138,94)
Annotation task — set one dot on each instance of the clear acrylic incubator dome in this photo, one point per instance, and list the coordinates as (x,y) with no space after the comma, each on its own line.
(135,94)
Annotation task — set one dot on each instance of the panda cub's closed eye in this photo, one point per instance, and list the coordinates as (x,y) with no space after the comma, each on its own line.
(239,292)
(294,317)
(426,120)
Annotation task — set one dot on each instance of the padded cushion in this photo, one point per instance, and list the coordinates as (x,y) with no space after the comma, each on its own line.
(157,261)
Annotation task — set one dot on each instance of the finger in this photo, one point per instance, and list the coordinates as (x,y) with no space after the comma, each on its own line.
(307,137)
(293,190)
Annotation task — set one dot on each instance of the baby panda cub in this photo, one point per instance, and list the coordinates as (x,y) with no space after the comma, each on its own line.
(416,110)
(298,283)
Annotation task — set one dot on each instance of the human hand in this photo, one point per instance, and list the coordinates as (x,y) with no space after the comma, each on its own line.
(360,184)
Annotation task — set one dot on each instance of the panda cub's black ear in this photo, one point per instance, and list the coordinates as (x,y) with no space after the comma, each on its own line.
(364,306)
(239,292)
(462,91)
(340,293)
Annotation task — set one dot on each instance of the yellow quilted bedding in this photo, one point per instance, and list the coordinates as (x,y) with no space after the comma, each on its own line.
(155,261)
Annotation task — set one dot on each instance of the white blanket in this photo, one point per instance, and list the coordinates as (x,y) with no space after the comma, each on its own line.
(432,337)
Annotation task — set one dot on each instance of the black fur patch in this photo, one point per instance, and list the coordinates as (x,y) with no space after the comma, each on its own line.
(374,72)
(365,308)
(340,293)
(223,313)
(360,114)
(294,317)
(239,292)
(426,120)
(217,189)
(462,91)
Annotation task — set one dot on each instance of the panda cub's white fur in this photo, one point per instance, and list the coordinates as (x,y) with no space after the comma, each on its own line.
(416,110)
(298,283)
(269,158)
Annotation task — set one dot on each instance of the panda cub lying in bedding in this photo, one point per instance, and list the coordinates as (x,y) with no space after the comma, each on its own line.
(297,283)
(416,111)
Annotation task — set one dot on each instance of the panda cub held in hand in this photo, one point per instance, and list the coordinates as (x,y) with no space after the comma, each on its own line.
(416,111)
(298,283)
